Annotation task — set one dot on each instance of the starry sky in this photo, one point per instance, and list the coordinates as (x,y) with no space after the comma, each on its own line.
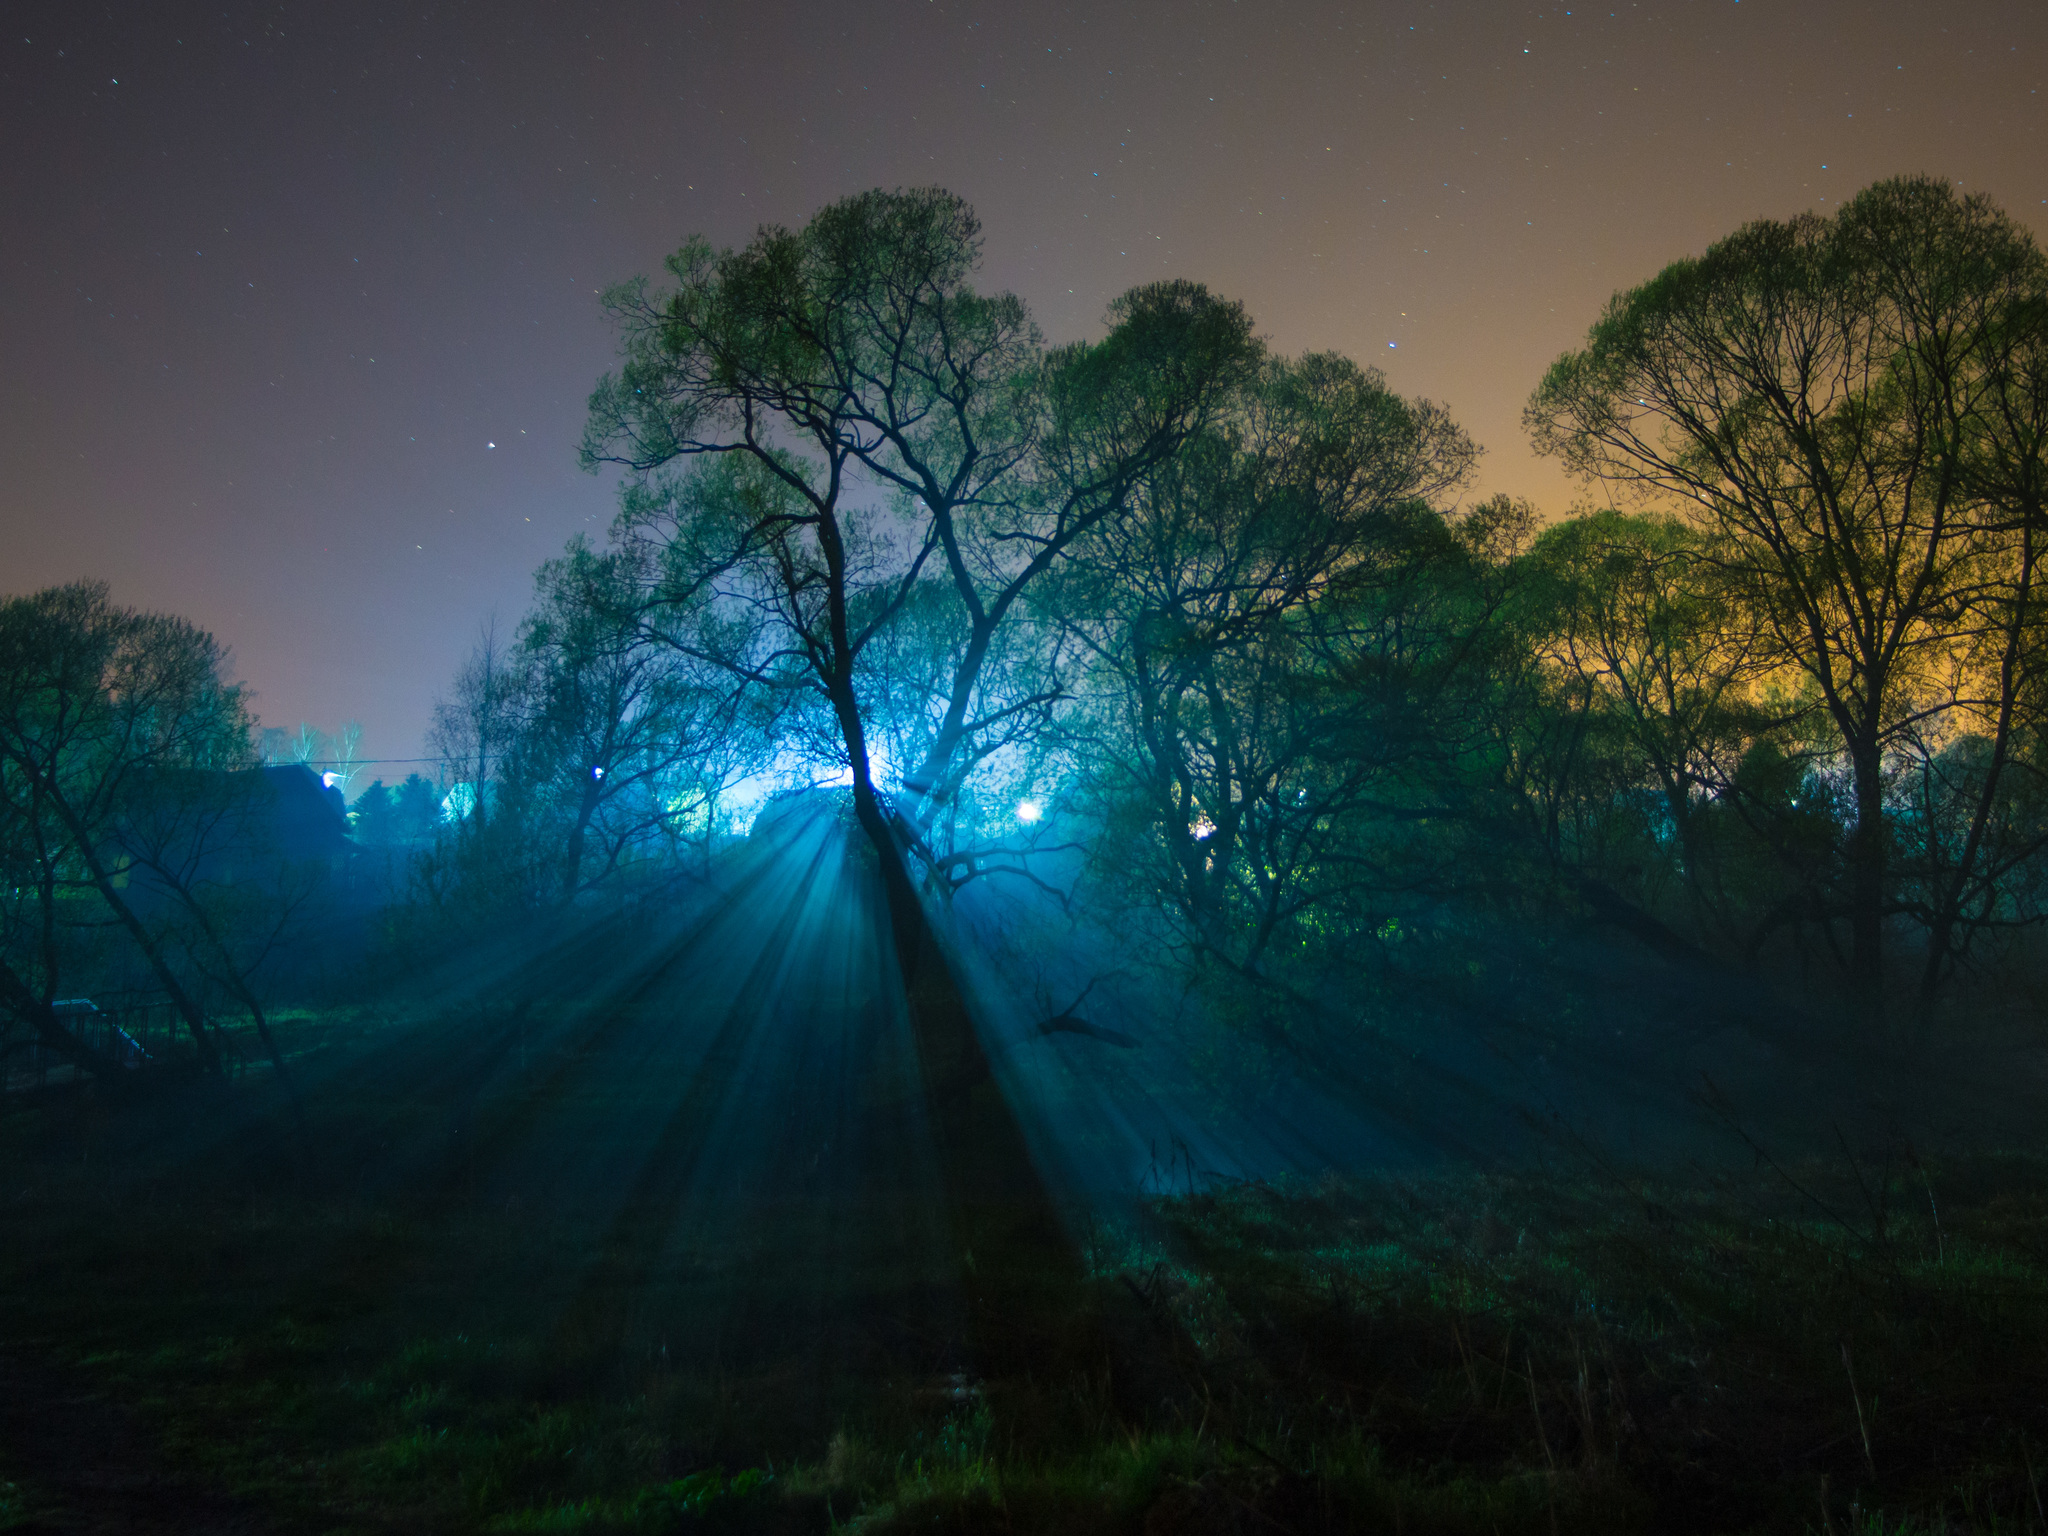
(298,301)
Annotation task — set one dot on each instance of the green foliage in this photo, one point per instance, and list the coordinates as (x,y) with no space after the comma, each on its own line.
(124,806)
(885,461)
(1274,696)
(1848,413)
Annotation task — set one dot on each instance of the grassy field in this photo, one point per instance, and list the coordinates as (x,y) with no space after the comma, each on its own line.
(265,1328)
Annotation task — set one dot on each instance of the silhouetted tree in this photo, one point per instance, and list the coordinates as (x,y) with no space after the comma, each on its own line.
(627,743)
(373,816)
(95,702)
(1262,626)
(873,422)
(1832,400)
(475,725)
(415,810)
(1665,657)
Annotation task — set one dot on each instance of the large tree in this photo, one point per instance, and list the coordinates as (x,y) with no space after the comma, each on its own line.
(97,704)
(878,429)
(1832,401)
(1263,629)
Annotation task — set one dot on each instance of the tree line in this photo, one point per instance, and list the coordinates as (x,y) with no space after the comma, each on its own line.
(1169,626)
(1218,622)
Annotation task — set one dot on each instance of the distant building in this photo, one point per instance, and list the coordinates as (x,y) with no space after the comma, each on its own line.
(307,818)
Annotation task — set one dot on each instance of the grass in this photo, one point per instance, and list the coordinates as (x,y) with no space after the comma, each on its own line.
(1830,1347)
(1719,1355)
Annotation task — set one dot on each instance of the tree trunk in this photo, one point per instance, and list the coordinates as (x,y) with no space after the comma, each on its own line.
(1866,885)
(572,858)
(1019,1272)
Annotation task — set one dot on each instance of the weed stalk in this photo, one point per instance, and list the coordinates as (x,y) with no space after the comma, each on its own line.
(1856,1397)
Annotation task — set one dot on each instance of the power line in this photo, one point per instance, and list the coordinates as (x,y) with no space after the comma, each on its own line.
(357,762)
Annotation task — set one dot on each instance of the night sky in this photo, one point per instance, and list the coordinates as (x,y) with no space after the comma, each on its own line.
(273,279)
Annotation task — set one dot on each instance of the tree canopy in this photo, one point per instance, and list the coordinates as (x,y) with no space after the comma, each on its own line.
(1851,409)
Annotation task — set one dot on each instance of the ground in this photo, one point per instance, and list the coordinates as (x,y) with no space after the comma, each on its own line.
(212,1344)
(648,1234)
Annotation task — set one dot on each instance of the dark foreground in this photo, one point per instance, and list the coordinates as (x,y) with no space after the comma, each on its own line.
(662,1234)
(225,1344)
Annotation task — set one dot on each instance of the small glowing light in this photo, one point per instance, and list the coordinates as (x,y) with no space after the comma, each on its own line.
(1029,810)
(329,780)
(596,772)
(1203,828)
